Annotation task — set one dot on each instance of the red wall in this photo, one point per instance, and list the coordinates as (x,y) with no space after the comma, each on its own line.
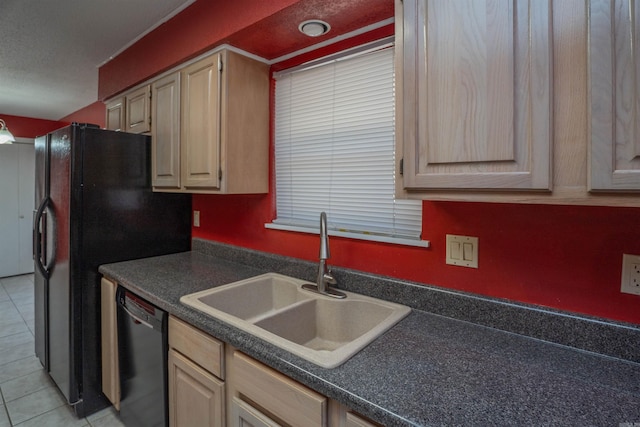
(268,29)
(566,257)
(94,113)
(26,127)
(193,31)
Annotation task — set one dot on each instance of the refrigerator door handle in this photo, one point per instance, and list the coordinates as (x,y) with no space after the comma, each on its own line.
(45,269)
(37,238)
(34,231)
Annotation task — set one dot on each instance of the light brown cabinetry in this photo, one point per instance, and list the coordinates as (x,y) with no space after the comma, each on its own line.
(223,129)
(165,131)
(115,114)
(130,112)
(243,414)
(353,420)
(476,98)
(200,132)
(109,331)
(196,373)
(614,94)
(590,165)
(137,110)
(255,390)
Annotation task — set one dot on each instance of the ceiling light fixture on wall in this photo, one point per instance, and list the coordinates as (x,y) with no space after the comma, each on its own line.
(314,27)
(6,137)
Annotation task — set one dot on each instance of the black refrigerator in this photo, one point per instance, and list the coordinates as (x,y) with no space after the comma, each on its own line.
(94,205)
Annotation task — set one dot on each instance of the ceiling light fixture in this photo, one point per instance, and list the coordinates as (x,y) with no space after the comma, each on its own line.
(314,27)
(6,137)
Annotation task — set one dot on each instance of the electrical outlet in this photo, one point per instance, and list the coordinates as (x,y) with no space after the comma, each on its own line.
(196,218)
(630,283)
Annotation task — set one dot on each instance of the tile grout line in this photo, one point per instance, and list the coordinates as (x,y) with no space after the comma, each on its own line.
(6,408)
(52,386)
(12,301)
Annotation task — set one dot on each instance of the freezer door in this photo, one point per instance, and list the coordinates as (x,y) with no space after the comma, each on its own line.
(41,294)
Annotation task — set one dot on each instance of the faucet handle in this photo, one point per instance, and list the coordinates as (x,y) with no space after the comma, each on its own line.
(328,278)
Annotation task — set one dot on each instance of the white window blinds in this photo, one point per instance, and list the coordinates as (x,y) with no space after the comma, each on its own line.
(335,149)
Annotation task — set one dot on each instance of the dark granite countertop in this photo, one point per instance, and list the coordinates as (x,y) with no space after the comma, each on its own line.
(429,369)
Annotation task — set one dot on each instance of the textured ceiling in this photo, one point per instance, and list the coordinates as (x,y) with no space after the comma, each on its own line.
(50,50)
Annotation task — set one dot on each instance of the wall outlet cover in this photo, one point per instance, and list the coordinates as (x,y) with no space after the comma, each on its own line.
(630,283)
(462,251)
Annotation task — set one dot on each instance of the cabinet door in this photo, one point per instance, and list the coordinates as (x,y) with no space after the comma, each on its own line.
(137,110)
(200,133)
(277,394)
(165,132)
(355,421)
(614,28)
(245,415)
(109,330)
(476,109)
(115,114)
(196,398)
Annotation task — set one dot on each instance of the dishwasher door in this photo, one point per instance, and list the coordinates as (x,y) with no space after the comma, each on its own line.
(142,354)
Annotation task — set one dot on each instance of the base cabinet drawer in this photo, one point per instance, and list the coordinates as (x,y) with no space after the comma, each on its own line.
(273,395)
(201,348)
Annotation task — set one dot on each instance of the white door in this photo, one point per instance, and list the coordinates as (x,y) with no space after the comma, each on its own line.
(17,175)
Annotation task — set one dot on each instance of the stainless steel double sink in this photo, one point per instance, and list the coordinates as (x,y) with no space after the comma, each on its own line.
(318,328)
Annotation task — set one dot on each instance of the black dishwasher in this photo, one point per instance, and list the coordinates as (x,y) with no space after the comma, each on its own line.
(142,354)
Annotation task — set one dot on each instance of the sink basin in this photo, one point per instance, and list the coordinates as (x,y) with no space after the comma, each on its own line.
(318,328)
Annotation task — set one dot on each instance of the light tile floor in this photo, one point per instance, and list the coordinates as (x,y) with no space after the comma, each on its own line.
(28,398)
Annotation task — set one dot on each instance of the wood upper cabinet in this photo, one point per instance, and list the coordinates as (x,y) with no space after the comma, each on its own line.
(211,127)
(130,112)
(476,80)
(137,110)
(165,131)
(614,67)
(115,114)
(200,133)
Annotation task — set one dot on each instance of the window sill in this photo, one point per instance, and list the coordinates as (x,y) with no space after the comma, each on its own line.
(353,235)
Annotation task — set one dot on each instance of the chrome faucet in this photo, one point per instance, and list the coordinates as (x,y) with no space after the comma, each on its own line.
(324,274)
(324,278)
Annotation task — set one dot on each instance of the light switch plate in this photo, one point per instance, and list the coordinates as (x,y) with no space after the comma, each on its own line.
(462,251)
(196,218)
(630,283)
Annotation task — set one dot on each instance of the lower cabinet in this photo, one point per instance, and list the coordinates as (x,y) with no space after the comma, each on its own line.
(341,416)
(196,386)
(109,331)
(243,414)
(215,385)
(258,392)
(196,397)
(211,383)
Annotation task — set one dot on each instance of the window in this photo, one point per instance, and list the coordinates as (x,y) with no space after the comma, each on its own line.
(335,150)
